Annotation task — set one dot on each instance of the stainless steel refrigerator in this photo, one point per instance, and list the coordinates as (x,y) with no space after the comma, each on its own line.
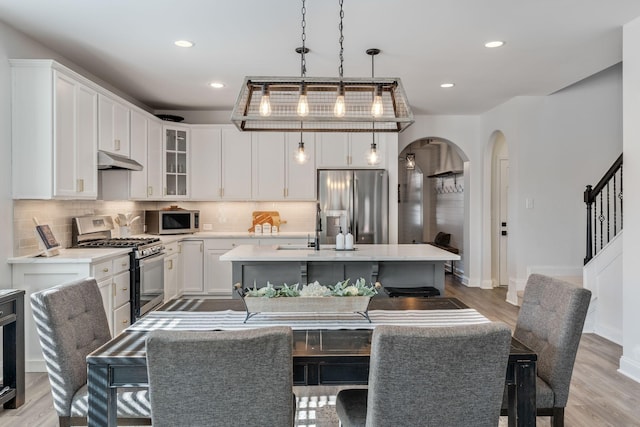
(356,201)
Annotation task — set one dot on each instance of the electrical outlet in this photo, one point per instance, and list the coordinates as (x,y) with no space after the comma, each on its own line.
(207,227)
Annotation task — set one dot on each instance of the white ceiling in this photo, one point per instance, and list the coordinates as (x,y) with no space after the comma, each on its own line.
(550,44)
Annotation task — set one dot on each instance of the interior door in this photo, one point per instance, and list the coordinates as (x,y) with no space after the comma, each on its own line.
(503,277)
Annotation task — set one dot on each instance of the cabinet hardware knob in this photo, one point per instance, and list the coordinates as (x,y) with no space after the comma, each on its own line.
(124,322)
(125,289)
(105,270)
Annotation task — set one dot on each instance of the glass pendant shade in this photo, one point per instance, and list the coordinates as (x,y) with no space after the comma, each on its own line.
(410,163)
(373,157)
(377,109)
(340,109)
(300,156)
(303,102)
(265,103)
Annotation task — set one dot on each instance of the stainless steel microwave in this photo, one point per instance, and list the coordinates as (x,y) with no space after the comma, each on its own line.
(172,221)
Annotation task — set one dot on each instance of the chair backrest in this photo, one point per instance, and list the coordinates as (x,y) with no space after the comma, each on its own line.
(442,238)
(449,376)
(221,378)
(550,322)
(71,323)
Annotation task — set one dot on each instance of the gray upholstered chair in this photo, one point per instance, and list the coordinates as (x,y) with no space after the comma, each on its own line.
(550,322)
(449,376)
(221,378)
(71,323)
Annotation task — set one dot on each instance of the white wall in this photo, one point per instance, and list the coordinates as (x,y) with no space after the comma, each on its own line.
(557,145)
(630,360)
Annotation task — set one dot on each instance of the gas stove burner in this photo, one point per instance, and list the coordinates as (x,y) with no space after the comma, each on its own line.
(120,242)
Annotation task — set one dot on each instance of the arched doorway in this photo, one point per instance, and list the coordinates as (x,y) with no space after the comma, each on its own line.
(431,195)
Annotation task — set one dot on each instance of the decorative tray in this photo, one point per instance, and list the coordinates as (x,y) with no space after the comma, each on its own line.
(304,304)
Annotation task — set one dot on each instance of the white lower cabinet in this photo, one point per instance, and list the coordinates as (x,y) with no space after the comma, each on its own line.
(171,273)
(193,267)
(114,282)
(36,276)
(172,270)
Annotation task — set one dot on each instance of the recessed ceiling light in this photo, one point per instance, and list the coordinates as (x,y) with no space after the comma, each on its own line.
(496,43)
(447,85)
(183,43)
(216,85)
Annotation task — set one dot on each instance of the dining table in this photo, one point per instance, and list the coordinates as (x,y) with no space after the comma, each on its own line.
(328,349)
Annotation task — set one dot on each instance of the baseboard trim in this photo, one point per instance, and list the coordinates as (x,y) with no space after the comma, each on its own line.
(630,368)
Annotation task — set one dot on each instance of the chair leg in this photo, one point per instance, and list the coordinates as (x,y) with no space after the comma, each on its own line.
(64,421)
(558,417)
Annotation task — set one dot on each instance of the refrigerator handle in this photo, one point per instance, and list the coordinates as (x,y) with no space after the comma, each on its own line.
(354,210)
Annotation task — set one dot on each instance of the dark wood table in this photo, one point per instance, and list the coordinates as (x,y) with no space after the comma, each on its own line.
(12,324)
(320,357)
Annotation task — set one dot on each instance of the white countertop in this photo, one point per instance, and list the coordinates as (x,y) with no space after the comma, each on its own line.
(408,252)
(247,235)
(72,255)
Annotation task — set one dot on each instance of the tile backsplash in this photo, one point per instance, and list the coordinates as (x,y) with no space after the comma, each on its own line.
(222,216)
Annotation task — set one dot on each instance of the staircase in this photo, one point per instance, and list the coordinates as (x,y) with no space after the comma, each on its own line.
(602,272)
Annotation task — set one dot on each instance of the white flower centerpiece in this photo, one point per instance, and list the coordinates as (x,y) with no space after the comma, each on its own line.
(343,297)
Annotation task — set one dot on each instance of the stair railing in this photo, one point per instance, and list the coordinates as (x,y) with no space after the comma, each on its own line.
(604,209)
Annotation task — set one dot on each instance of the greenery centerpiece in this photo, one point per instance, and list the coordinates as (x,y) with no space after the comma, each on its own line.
(342,297)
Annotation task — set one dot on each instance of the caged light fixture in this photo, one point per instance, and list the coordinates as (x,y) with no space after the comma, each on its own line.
(410,161)
(322,104)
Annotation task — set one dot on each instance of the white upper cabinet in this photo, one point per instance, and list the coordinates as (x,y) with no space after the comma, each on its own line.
(348,150)
(220,163)
(54,132)
(146,149)
(176,162)
(236,164)
(154,159)
(276,175)
(139,136)
(206,155)
(300,178)
(113,126)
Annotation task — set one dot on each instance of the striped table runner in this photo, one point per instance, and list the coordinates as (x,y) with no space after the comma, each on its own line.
(233,320)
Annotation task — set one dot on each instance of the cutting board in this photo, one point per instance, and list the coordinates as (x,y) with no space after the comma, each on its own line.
(270,217)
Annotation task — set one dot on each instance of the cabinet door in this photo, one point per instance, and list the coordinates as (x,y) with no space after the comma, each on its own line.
(86,143)
(64,181)
(332,150)
(113,126)
(192,266)
(269,166)
(300,181)
(154,160)
(106,292)
(205,153)
(236,164)
(170,277)
(139,136)
(218,274)
(121,294)
(176,147)
(121,318)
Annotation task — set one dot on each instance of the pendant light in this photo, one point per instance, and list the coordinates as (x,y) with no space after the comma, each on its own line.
(340,108)
(303,104)
(410,161)
(373,157)
(324,104)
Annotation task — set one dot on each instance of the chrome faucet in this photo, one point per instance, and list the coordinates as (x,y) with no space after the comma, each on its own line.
(318,227)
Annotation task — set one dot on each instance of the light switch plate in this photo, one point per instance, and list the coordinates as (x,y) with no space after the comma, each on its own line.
(207,227)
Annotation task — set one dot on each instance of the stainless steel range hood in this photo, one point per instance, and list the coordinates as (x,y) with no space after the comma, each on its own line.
(115,161)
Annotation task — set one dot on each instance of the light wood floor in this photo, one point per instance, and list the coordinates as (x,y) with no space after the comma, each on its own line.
(599,396)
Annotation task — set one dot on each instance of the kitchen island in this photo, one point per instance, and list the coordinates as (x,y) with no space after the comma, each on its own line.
(403,266)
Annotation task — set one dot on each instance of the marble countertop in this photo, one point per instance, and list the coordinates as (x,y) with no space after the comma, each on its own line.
(408,252)
(72,255)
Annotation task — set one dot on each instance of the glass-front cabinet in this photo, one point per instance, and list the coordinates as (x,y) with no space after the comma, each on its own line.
(176,164)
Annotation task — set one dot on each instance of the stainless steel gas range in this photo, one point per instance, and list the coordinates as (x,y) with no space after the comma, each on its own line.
(147,259)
